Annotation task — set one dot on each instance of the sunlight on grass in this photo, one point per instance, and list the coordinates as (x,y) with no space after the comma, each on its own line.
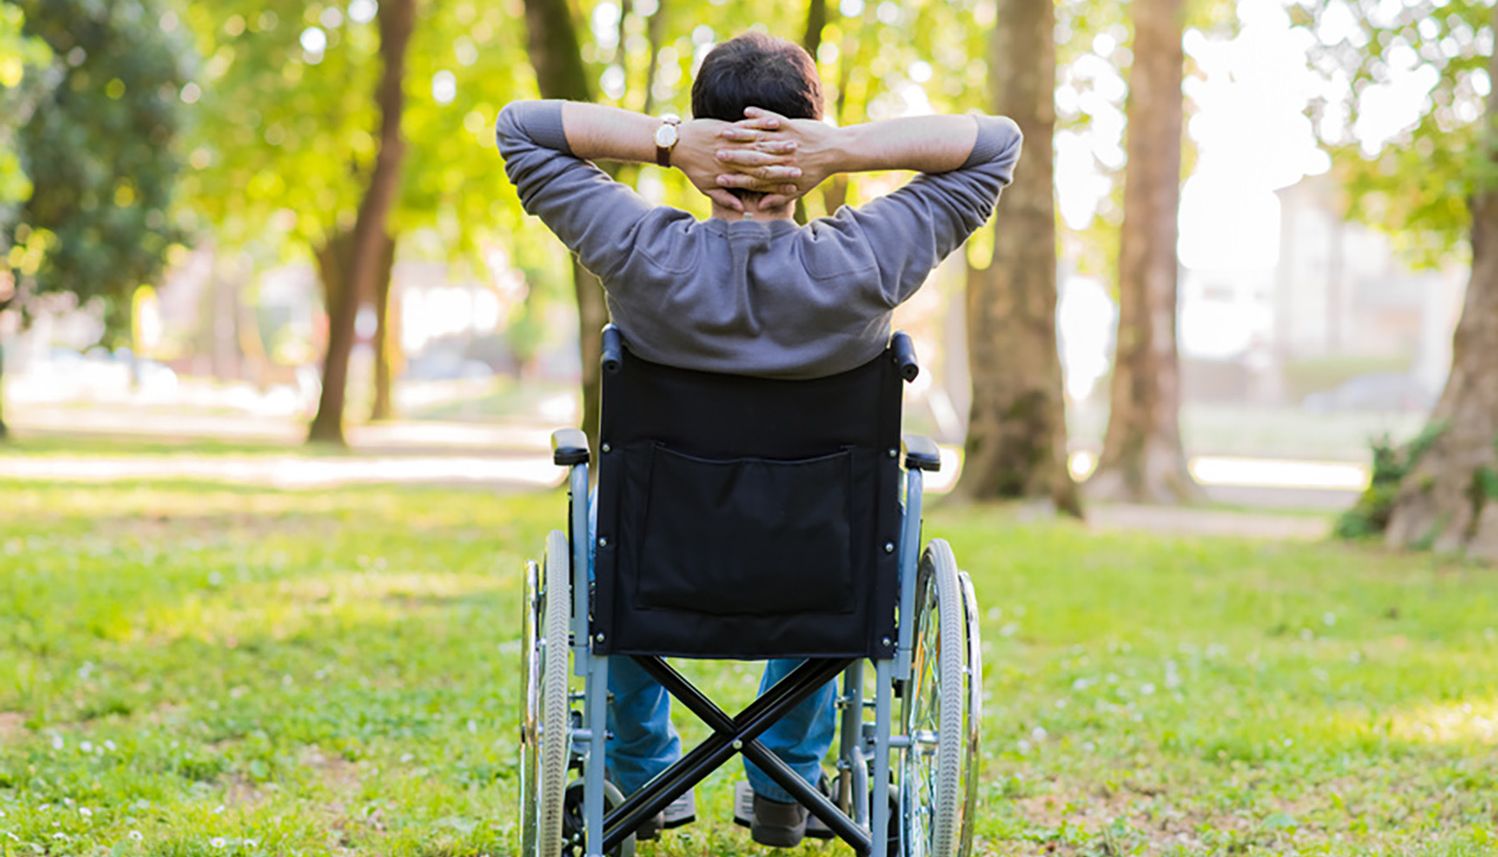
(1467,722)
(286,608)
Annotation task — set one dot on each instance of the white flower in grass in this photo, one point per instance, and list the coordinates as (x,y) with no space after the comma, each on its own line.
(86,746)
(85,812)
(218,842)
(136,836)
(57,742)
(109,745)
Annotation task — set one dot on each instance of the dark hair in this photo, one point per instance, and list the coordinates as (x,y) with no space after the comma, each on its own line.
(756,70)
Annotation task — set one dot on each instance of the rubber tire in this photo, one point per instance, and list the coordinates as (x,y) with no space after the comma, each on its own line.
(937,578)
(556,726)
(972,736)
(530,706)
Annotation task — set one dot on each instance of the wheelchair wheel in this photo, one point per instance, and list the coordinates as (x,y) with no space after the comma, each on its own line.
(530,691)
(544,729)
(939,771)
(573,823)
(972,737)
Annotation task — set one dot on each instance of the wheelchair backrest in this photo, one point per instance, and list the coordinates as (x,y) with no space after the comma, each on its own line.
(747,517)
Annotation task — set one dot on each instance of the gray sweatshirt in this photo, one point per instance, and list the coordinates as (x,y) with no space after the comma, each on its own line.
(764,298)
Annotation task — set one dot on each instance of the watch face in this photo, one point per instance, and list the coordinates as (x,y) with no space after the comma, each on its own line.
(665,136)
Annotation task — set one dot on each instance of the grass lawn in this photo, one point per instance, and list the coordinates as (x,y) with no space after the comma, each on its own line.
(190,669)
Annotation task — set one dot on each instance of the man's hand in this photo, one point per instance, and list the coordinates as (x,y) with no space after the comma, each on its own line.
(782,158)
(696,142)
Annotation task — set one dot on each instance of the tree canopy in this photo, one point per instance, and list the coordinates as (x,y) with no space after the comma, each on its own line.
(21,56)
(1414,183)
(99,150)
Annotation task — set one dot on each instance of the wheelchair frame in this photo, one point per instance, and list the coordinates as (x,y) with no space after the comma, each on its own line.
(861,815)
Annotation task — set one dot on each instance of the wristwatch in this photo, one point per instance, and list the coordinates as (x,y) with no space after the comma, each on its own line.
(665,139)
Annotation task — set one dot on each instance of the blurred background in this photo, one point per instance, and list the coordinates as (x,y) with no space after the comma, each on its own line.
(280,356)
(233,224)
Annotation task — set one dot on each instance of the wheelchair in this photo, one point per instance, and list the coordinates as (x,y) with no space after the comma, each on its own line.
(749,518)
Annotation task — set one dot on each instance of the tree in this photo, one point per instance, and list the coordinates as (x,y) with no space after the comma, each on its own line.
(1016,440)
(99,153)
(352,262)
(297,101)
(1142,458)
(1435,186)
(556,55)
(20,57)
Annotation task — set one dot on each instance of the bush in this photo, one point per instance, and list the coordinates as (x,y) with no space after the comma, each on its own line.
(1369,516)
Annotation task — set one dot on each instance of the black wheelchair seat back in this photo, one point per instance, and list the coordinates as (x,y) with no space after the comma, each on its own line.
(746,517)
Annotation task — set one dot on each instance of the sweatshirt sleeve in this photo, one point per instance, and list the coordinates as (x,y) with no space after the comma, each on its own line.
(909,232)
(594,215)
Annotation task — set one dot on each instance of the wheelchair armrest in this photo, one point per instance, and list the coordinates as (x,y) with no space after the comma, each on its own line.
(569,446)
(920,452)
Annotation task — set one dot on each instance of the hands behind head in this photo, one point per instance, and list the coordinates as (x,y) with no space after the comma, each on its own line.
(763,152)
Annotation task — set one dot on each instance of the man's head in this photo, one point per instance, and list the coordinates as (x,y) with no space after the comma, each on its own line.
(756,70)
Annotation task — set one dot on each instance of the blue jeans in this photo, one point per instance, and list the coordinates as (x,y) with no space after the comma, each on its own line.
(642,742)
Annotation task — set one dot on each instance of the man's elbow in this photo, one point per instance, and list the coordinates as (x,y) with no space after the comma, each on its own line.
(997,148)
(509,132)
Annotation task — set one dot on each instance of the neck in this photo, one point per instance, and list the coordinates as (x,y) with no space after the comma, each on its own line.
(753,213)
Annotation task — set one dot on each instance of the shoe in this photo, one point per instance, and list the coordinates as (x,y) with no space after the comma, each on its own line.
(681,811)
(743,810)
(778,825)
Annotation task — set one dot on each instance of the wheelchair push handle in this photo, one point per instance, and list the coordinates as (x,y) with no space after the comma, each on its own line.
(569,446)
(613,349)
(903,352)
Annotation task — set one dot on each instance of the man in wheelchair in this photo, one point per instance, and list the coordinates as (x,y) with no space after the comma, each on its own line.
(748,410)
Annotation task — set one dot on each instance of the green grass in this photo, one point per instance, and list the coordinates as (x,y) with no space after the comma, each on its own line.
(54,444)
(190,669)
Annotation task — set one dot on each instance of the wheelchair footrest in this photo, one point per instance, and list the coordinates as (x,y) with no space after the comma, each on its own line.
(743,811)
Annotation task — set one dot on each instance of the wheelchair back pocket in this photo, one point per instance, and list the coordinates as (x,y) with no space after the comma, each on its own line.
(745,536)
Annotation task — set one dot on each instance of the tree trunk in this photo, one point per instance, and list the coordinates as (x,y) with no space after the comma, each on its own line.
(816,21)
(551,37)
(811,40)
(1142,459)
(1449,499)
(655,31)
(387,336)
(1016,441)
(397,20)
(835,190)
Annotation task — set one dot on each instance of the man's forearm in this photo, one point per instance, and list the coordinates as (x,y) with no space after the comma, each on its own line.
(927,144)
(599,133)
